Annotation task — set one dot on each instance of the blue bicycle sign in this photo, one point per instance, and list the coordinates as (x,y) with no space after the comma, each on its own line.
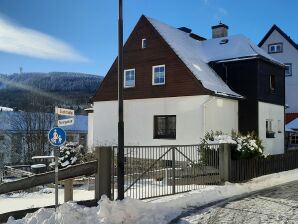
(57,136)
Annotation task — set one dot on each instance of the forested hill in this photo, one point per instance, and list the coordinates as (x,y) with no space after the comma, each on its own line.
(32,91)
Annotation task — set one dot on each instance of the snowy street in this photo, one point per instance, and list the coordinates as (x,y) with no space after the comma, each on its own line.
(276,205)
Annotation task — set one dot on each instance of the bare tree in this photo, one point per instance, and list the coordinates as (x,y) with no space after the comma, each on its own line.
(29,131)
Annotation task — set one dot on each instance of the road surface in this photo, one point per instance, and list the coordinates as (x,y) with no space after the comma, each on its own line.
(275,205)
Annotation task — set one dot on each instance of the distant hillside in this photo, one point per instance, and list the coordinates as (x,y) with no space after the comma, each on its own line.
(32,91)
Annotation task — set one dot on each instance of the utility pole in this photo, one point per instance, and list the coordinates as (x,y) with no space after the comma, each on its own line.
(120,154)
(56,154)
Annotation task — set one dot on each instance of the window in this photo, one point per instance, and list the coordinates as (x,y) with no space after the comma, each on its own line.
(129,78)
(165,126)
(1,138)
(272,84)
(158,75)
(269,132)
(288,69)
(293,138)
(144,43)
(275,48)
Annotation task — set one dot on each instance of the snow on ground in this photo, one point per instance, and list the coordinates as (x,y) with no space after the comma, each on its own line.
(153,211)
(274,205)
(44,197)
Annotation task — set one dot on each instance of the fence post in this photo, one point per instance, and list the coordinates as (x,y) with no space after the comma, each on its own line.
(103,174)
(68,190)
(224,161)
(174,171)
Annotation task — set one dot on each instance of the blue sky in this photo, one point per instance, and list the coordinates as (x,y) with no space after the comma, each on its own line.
(81,35)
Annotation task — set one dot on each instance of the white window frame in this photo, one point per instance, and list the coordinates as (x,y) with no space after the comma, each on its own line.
(134,84)
(275,46)
(144,40)
(158,84)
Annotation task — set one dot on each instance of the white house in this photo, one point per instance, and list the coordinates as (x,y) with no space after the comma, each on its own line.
(174,93)
(281,47)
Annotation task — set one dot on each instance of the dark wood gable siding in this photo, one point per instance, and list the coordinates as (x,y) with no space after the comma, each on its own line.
(179,80)
(241,76)
(251,79)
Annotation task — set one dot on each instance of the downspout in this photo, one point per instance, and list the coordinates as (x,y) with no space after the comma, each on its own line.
(204,112)
(226,72)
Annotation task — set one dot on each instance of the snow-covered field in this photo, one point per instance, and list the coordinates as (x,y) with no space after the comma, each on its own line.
(44,197)
(160,210)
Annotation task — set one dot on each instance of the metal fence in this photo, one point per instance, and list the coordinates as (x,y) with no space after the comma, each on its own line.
(153,171)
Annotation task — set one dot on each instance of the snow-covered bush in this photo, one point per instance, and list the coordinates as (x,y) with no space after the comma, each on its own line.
(243,146)
(247,146)
(70,154)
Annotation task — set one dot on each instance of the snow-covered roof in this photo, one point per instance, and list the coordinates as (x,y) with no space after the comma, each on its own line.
(293,124)
(235,47)
(5,109)
(80,124)
(197,54)
(188,50)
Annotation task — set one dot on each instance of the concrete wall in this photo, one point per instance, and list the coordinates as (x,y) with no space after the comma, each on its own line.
(191,121)
(289,55)
(276,114)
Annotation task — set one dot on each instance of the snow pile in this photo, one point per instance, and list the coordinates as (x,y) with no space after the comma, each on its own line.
(220,139)
(161,211)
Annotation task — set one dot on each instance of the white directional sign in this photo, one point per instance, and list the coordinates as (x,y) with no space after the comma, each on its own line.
(63,111)
(65,122)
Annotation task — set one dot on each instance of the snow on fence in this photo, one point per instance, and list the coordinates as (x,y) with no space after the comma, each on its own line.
(48,177)
(154,171)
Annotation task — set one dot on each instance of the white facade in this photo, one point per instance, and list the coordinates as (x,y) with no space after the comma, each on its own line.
(194,116)
(289,54)
(275,114)
(90,131)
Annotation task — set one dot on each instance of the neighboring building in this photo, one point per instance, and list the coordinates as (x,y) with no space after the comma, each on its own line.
(21,130)
(175,89)
(280,46)
(292,134)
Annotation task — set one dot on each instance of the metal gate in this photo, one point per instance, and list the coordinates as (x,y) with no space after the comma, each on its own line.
(154,171)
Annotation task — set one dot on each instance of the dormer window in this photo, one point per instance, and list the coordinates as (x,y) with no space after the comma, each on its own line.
(158,75)
(275,48)
(129,78)
(144,43)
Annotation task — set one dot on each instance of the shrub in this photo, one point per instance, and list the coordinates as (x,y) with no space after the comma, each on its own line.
(243,146)
(70,154)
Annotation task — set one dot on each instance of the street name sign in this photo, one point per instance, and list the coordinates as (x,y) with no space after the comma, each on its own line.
(63,111)
(66,122)
(57,136)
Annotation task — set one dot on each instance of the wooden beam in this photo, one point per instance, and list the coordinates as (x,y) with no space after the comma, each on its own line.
(46,178)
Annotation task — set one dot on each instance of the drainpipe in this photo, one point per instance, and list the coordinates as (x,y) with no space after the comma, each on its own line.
(226,72)
(204,112)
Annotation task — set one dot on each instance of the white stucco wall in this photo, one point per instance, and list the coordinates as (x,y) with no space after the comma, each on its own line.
(276,114)
(138,118)
(90,131)
(289,55)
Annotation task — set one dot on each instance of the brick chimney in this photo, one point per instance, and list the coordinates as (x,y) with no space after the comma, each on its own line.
(220,30)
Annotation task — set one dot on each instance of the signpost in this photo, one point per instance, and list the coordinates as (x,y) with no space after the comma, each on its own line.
(57,137)
(63,111)
(65,122)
